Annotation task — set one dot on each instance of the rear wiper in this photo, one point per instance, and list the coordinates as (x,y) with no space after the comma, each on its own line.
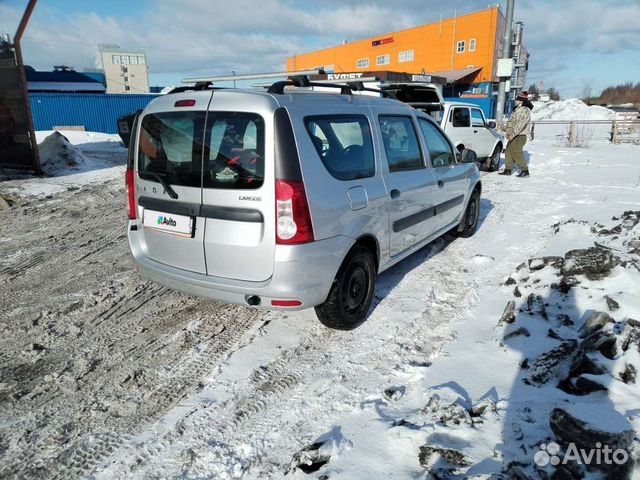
(167,187)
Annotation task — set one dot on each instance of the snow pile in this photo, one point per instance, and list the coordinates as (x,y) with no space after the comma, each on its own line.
(57,153)
(70,160)
(83,137)
(575,364)
(569,109)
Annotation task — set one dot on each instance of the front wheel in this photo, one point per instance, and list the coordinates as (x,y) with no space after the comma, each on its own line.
(351,293)
(493,162)
(469,222)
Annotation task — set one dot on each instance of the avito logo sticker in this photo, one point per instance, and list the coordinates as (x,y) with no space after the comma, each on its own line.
(166,221)
(601,455)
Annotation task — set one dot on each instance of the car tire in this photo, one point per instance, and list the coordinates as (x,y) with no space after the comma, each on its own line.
(493,162)
(347,305)
(469,221)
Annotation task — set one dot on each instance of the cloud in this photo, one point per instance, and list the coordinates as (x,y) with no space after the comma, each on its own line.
(195,37)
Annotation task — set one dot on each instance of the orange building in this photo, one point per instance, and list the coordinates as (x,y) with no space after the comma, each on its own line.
(464,49)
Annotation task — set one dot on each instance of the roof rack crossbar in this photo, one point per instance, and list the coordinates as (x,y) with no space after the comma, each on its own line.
(359,87)
(254,76)
(303,81)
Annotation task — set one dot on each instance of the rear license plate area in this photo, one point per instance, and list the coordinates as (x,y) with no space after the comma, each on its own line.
(171,223)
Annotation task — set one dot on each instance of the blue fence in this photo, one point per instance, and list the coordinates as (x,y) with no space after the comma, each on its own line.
(96,112)
(99,112)
(486,104)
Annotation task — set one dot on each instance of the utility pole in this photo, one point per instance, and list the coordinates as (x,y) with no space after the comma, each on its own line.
(506,54)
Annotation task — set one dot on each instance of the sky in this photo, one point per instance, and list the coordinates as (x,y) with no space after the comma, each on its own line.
(573,43)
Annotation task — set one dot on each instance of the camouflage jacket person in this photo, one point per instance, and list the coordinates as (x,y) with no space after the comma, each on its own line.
(518,123)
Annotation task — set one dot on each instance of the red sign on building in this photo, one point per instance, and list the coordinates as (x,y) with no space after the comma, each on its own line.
(377,43)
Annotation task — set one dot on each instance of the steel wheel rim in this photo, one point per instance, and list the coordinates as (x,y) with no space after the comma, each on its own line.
(495,159)
(472,215)
(355,288)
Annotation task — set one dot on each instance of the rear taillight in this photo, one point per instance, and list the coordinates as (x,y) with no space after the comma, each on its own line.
(293,221)
(131,194)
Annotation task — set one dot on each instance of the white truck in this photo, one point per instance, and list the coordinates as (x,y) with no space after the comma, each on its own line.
(467,127)
(464,123)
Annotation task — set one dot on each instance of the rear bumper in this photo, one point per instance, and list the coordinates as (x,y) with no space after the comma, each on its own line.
(300,272)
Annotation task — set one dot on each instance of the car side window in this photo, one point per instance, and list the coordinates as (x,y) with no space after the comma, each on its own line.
(344,144)
(439,148)
(477,119)
(460,117)
(400,143)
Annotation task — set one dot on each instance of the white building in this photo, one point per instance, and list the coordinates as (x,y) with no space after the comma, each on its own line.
(125,70)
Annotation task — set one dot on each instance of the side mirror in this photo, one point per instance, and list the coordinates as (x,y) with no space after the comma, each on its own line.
(468,156)
(492,124)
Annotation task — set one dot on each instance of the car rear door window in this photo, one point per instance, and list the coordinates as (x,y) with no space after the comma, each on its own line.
(170,145)
(440,149)
(234,151)
(343,143)
(400,143)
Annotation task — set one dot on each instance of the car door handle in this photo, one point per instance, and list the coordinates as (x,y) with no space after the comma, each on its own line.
(475,131)
(440,183)
(395,193)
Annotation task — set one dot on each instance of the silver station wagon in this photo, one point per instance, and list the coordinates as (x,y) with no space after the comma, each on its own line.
(287,199)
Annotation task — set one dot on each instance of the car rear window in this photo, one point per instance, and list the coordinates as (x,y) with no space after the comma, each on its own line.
(174,144)
(235,150)
(344,144)
(170,145)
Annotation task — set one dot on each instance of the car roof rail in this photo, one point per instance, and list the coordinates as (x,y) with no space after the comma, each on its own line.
(359,86)
(197,86)
(346,88)
(303,81)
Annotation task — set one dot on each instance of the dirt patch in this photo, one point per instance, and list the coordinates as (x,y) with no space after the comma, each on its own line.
(89,350)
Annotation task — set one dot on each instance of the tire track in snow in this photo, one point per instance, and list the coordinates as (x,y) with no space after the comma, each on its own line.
(90,351)
(258,410)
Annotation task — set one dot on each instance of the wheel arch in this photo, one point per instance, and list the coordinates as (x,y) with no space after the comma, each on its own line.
(370,242)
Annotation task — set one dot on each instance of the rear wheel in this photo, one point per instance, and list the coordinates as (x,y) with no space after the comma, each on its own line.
(493,162)
(469,222)
(351,294)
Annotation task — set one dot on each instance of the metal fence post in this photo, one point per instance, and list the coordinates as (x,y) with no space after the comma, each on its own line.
(572,133)
(613,129)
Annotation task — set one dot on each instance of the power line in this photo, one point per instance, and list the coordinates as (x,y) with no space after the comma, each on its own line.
(125,84)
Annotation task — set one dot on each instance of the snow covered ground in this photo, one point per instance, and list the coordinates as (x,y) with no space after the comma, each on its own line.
(105,374)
